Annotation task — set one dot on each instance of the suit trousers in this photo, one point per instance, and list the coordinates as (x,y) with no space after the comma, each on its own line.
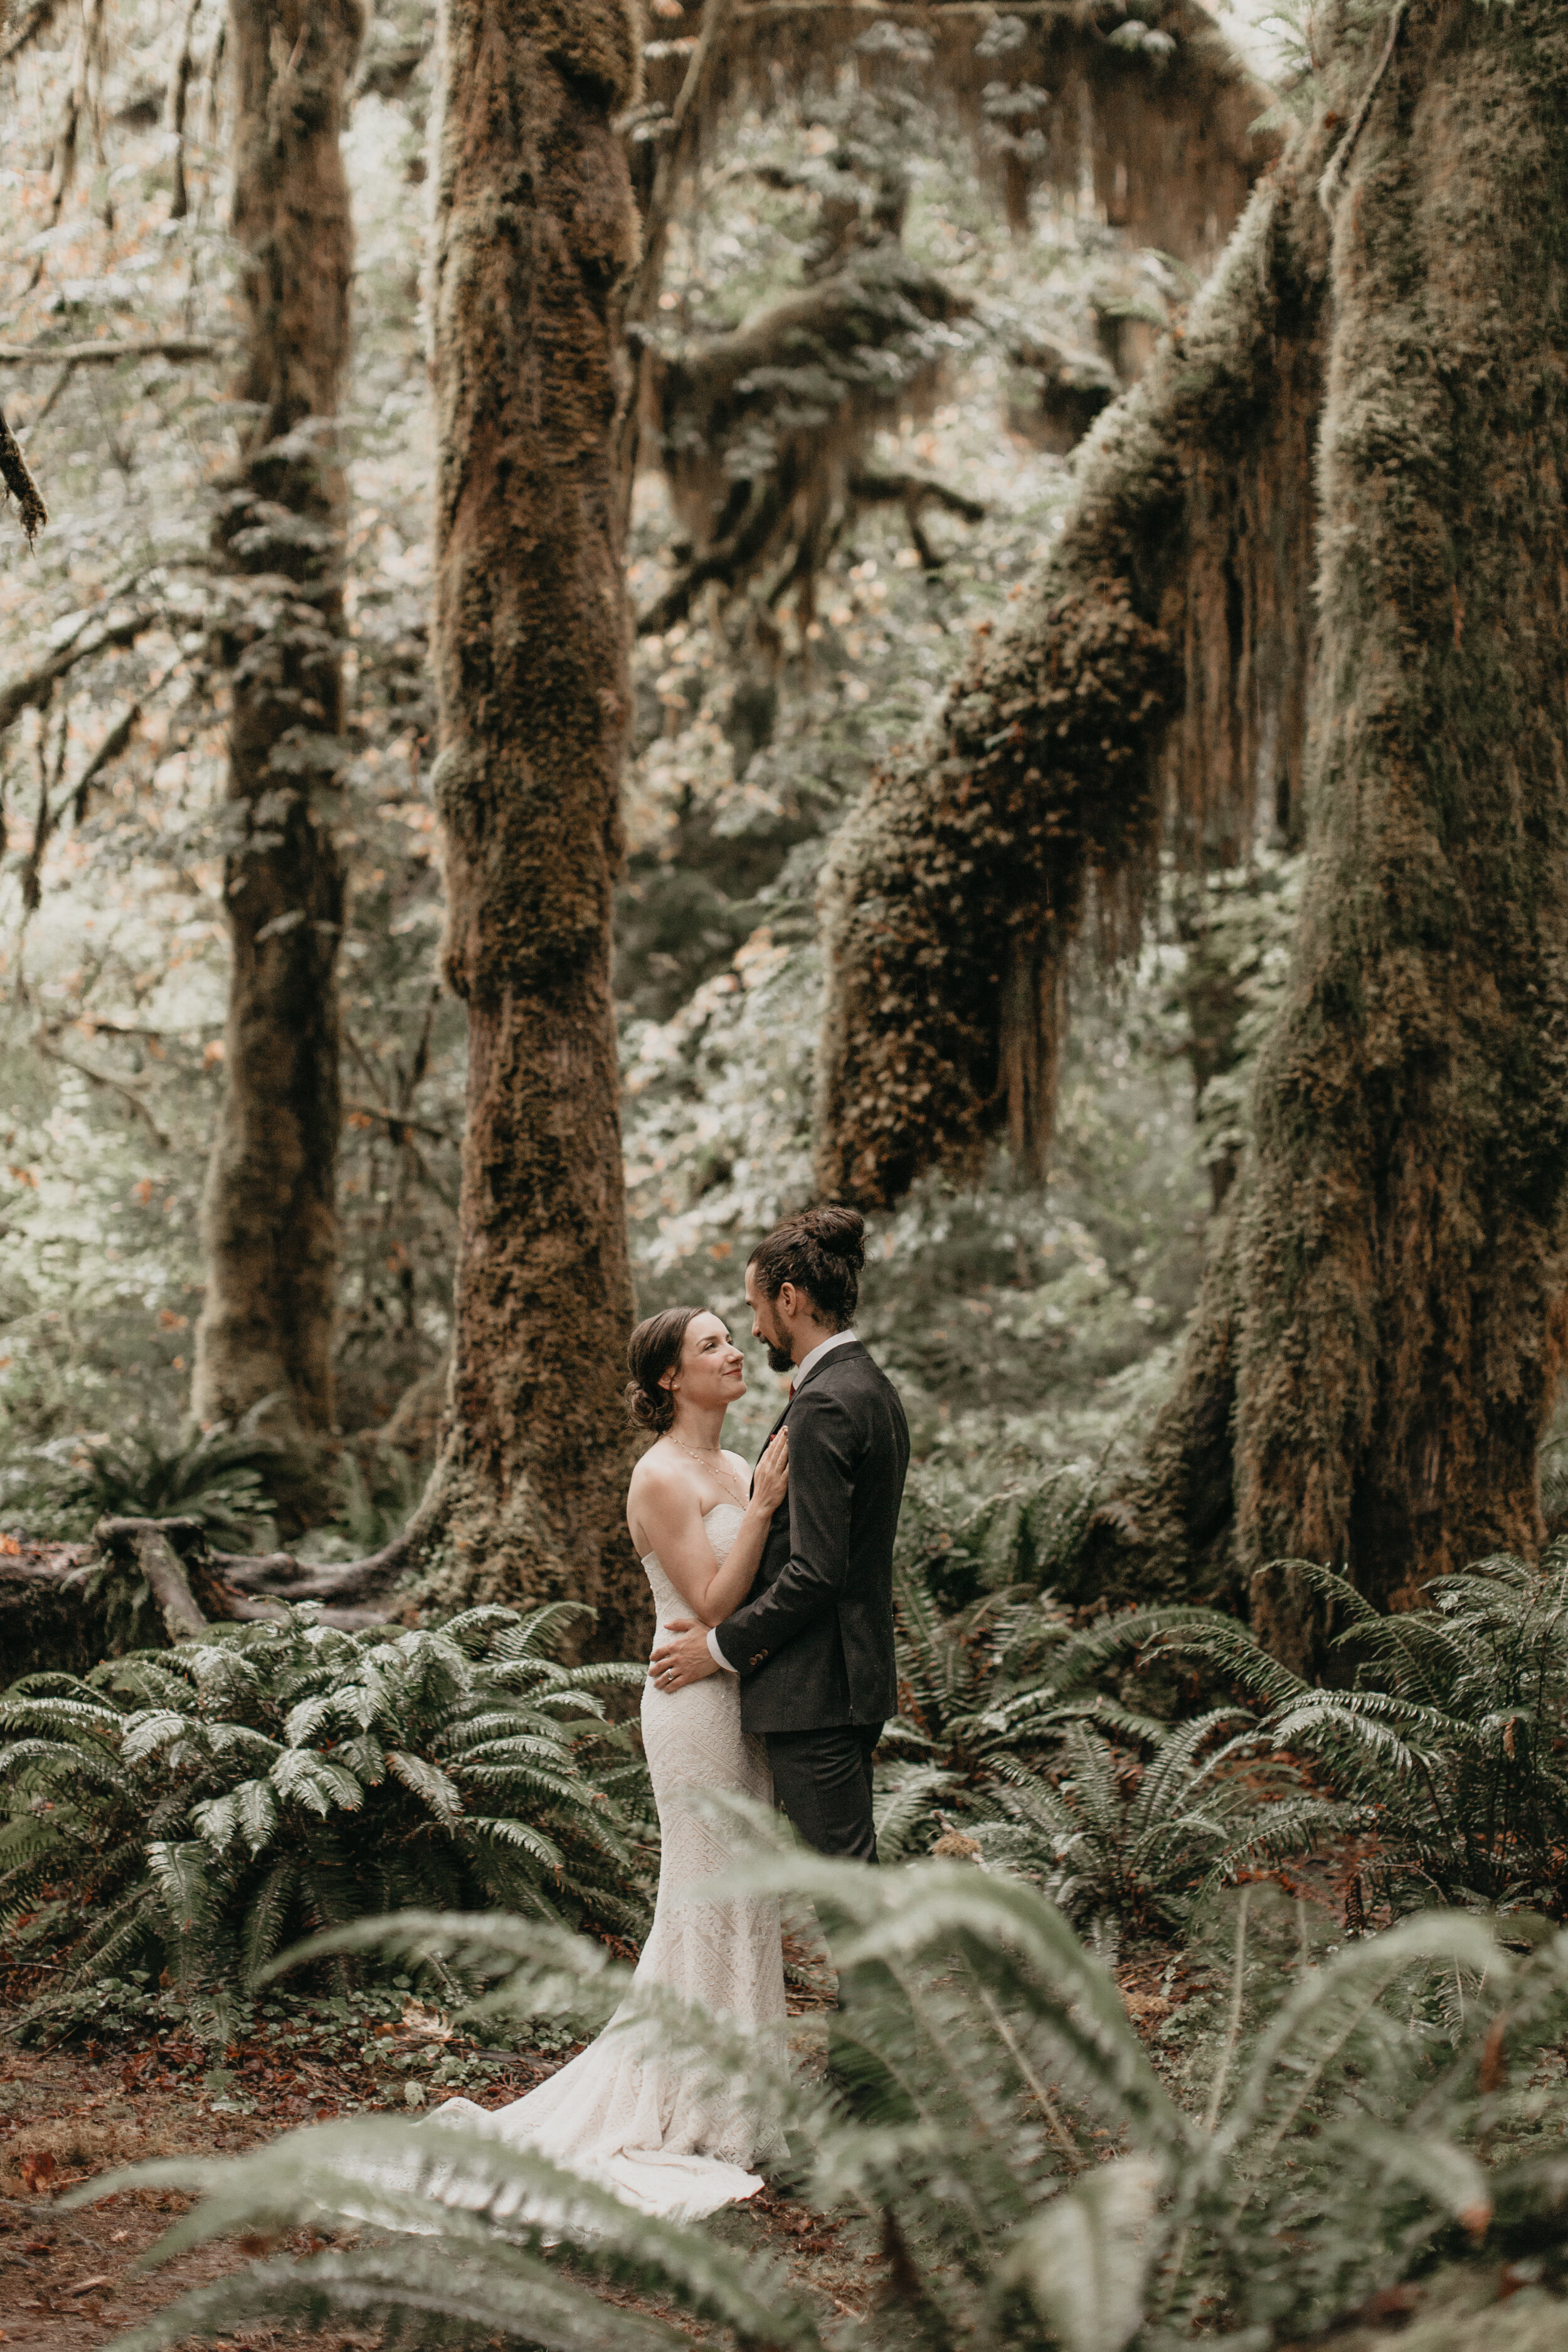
(822,1781)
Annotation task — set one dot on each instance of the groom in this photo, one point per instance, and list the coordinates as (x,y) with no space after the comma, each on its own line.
(814,1642)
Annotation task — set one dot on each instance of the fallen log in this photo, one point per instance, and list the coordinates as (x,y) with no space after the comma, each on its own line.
(151,1582)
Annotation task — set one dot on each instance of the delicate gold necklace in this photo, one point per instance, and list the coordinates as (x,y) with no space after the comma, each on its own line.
(722,1473)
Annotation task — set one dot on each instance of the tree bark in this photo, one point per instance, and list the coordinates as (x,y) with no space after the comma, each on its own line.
(271,1208)
(1155,665)
(1381,1334)
(533,234)
(1405,1234)
(1379,1340)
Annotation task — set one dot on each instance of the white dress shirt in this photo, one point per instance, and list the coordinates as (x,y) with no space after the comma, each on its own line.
(815,1355)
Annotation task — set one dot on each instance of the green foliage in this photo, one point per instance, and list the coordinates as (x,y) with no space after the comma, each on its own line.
(216,1475)
(1029,2179)
(1012,1734)
(1451,1729)
(201,1805)
(1128,1842)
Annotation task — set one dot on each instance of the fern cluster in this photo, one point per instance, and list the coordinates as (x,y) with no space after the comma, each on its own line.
(202,1805)
(218,1476)
(1012,1740)
(1029,2175)
(1449,1735)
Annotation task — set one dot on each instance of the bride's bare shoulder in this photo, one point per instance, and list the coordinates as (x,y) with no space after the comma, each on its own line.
(659,1476)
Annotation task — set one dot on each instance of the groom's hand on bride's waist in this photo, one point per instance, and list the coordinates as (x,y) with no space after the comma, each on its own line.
(680,1655)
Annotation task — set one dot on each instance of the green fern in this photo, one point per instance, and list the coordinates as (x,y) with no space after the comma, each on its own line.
(1011,1735)
(1031,2179)
(205,1805)
(218,1476)
(1449,1737)
(1128,1842)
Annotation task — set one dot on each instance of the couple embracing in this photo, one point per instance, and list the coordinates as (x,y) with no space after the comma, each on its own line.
(771,1676)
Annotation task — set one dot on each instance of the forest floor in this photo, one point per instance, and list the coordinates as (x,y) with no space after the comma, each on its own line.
(70,2281)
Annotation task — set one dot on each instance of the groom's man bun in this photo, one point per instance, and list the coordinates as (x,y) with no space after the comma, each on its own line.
(822,1252)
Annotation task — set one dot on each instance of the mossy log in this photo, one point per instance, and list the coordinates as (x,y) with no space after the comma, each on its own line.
(149,1583)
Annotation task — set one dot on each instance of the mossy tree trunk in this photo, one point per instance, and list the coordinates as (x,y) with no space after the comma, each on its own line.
(1379,1339)
(1404,1241)
(271,1210)
(534,234)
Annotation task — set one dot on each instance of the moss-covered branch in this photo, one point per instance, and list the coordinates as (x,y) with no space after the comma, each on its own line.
(1161,653)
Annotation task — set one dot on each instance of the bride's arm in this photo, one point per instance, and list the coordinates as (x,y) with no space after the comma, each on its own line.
(671,1517)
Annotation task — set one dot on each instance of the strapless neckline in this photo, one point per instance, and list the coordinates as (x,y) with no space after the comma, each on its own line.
(711,1513)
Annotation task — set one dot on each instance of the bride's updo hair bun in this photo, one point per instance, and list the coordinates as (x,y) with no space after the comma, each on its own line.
(655,1349)
(822,1252)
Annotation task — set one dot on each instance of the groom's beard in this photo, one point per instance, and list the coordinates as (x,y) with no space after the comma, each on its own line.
(779,1358)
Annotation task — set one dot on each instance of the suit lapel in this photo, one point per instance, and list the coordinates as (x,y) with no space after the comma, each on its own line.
(836,1355)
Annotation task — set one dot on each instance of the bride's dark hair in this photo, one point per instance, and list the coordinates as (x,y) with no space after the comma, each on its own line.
(653,1350)
(822,1253)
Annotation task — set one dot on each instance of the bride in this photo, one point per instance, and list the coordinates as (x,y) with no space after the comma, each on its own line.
(649,2129)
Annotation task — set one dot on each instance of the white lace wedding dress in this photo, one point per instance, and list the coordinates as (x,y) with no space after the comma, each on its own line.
(640,2124)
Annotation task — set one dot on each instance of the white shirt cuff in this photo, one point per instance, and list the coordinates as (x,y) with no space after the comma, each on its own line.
(716,1653)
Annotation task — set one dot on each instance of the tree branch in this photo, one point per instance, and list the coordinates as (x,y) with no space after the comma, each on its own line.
(685,124)
(52,1053)
(921,490)
(34,688)
(20,482)
(110,353)
(642,286)
(36,20)
(396,1121)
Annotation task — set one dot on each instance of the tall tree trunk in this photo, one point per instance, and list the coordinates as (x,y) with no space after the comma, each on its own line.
(1380,1333)
(1404,1238)
(534,234)
(270,1211)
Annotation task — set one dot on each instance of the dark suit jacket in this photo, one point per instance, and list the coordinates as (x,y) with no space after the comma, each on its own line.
(814,1640)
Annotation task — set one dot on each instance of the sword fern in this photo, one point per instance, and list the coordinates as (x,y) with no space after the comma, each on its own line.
(205,1803)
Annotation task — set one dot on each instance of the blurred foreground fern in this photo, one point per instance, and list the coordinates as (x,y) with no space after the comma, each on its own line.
(1031,2180)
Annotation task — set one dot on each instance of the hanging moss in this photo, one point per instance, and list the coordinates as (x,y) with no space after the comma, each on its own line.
(1152,108)
(761,433)
(1159,656)
(1405,1224)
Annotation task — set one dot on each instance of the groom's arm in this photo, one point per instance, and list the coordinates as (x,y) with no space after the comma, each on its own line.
(824,1457)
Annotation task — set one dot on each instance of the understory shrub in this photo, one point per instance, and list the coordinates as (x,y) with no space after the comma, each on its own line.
(1012,1739)
(1450,1734)
(62,1488)
(1022,2174)
(197,1807)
